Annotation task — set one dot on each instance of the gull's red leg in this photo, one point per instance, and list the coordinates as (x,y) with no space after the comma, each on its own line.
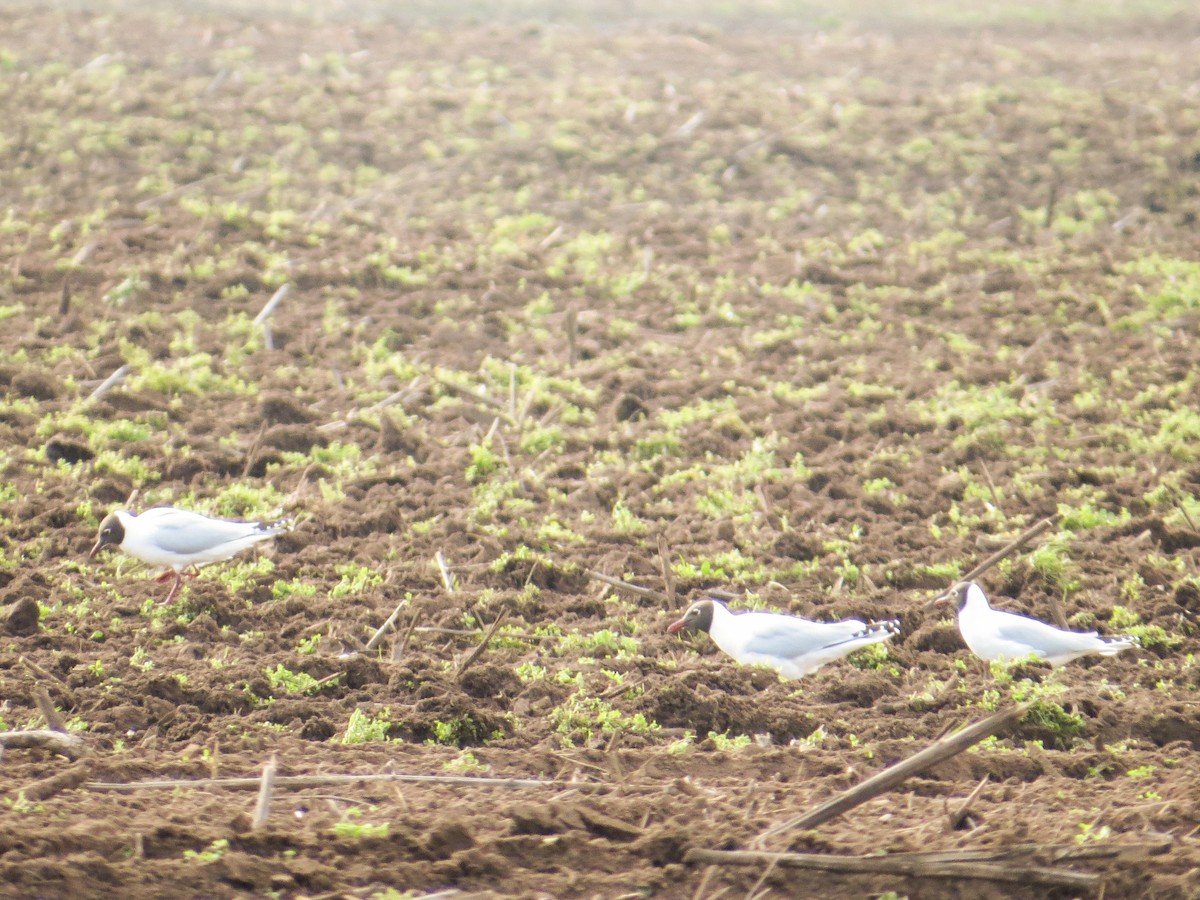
(174,587)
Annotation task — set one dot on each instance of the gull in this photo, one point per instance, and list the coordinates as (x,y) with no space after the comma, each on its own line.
(178,539)
(792,646)
(994,634)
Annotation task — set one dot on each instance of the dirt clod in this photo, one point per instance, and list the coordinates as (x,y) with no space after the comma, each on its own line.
(67,450)
(21,618)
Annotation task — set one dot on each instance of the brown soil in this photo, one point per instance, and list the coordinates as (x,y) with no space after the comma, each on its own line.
(725,164)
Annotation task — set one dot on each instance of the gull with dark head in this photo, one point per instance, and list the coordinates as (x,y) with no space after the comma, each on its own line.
(993,634)
(790,645)
(176,539)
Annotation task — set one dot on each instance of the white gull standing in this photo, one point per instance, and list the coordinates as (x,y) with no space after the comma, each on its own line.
(994,634)
(178,538)
(792,646)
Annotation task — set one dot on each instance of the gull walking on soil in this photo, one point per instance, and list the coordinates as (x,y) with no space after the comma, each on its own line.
(790,645)
(994,634)
(178,539)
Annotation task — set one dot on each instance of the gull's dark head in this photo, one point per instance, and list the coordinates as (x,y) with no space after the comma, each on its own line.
(955,597)
(962,592)
(112,533)
(698,617)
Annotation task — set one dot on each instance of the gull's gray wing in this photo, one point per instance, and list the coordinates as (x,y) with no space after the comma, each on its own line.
(1039,636)
(183,532)
(788,637)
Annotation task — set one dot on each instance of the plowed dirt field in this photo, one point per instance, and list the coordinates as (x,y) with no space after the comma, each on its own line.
(602,316)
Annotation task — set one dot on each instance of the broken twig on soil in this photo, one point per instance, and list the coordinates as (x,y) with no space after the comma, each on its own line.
(66,780)
(444,570)
(151,202)
(939,751)
(399,646)
(310,781)
(262,808)
(400,396)
(64,743)
(387,626)
(624,585)
(54,719)
(478,651)
(520,635)
(1053,852)
(964,809)
(471,394)
(1056,613)
(275,300)
(883,865)
(572,337)
(108,384)
(664,562)
(252,453)
(37,670)
(1014,545)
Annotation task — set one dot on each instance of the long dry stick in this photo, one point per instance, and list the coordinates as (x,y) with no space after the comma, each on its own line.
(298,782)
(1055,852)
(619,689)
(624,585)
(523,414)
(444,570)
(1177,502)
(939,751)
(54,719)
(275,300)
(171,194)
(84,253)
(478,651)
(108,384)
(883,865)
(262,808)
(386,626)
(401,395)
(668,576)
(478,396)
(1016,544)
(37,670)
(66,780)
(519,635)
(398,647)
(551,237)
(991,484)
(1056,613)
(572,337)
(252,453)
(964,809)
(65,744)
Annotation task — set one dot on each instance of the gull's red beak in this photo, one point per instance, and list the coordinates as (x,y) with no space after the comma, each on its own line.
(96,549)
(675,627)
